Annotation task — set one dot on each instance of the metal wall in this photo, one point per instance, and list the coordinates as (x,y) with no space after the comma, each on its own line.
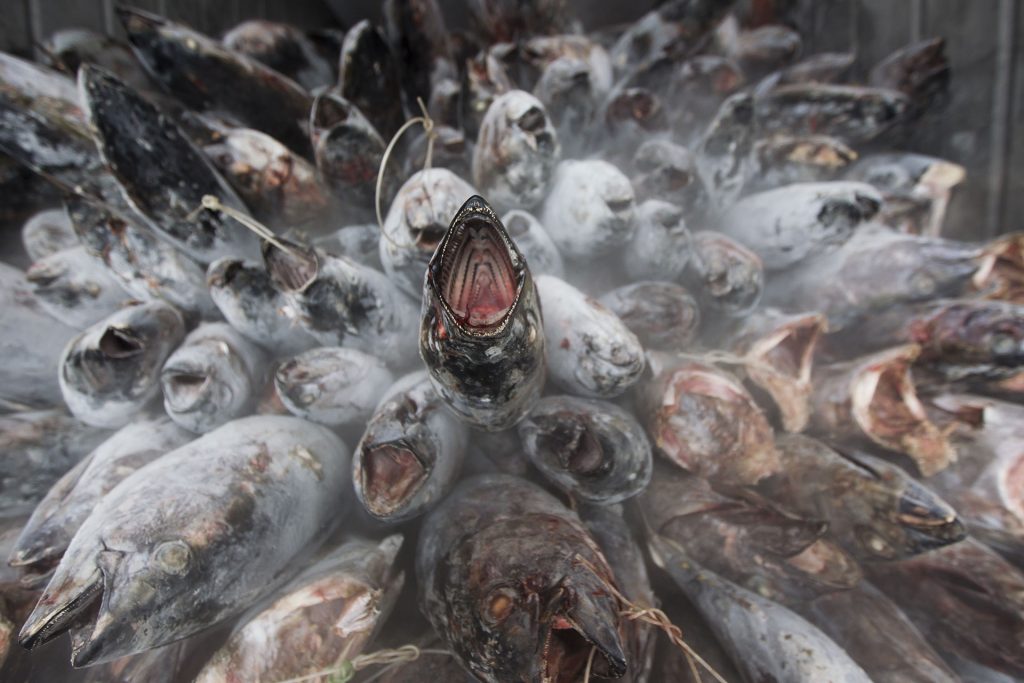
(982,127)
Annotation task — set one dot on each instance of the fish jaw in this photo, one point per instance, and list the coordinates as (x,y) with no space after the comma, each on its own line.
(392,474)
(929,522)
(65,604)
(580,624)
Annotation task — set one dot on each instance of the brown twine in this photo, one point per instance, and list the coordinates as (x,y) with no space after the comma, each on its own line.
(655,617)
(212,203)
(345,669)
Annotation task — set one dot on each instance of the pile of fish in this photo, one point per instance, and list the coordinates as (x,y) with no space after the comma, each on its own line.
(662,316)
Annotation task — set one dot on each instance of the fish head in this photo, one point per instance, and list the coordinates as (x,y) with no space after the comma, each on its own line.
(991,332)
(292,267)
(535,612)
(199,379)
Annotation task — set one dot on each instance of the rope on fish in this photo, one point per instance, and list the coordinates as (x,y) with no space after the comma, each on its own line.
(658,619)
(346,669)
(428,128)
(590,663)
(212,203)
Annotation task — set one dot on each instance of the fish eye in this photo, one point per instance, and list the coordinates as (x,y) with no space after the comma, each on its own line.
(923,284)
(173,557)
(874,543)
(499,605)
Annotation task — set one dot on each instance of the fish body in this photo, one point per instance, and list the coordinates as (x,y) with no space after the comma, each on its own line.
(533,240)
(75,287)
(348,151)
(663,315)
(726,277)
(284,48)
(379,98)
(723,154)
(660,247)
(332,385)
(854,114)
(48,232)
(788,159)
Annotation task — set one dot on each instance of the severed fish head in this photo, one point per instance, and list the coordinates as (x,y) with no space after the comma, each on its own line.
(973,338)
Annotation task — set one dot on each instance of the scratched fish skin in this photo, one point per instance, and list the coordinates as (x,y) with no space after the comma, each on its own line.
(726,277)
(111,371)
(663,315)
(920,70)
(774,554)
(379,97)
(481,332)
(765,640)
(284,48)
(31,343)
(660,246)
(206,76)
(534,242)
(343,303)
(247,499)
(788,224)
(60,513)
(702,419)
(331,385)
(777,351)
(723,153)
(854,114)
(513,605)
(516,151)
(591,352)
(786,159)
(873,398)
(590,209)
(245,295)
(416,223)
(875,510)
(965,599)
(592,450)
(878,636)
(39,447)
(133,134)
(333,609)
(411,453)
(75,287)
(212,378)
(48,232)
(146,266)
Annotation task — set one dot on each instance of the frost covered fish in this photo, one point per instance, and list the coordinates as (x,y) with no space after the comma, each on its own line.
(132,133)
(786,159)
(48,232)
(786,225)
(512,603)
(331,385)
(335,607)
(663,315)
(111,371)
(590,351)
(481,334)
(75,287)
(727,277)
(57,517)
(38,448)
(723,155)
(592,450)
(852,113)
(661,169)
(212,378)
(360,243)
(919,70)
(534,242)
(411,453)
(284,48)
(660,246)
(193,538)
(765,640)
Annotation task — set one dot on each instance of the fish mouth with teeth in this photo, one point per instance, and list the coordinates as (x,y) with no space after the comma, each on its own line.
(74,607)
(567,649)
(392,473)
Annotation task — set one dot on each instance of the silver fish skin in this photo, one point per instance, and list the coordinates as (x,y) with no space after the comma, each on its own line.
(48,232)
(132,133)
(788,224)
(146,266)
(726,277)
(592,450)
(111,371)
(75,287)
(331,385)
(591,352)
(245,501)
(245,295)
(212,378)
(411,453)
(417,222)
(516,151)
(31,342)
(590,209)
(284,48)
(765,640)
(39,447)
(360,243)
(660,247)
(57,517)
(533,240)
(481,330)
(339,603)
(663,315)
(723,156)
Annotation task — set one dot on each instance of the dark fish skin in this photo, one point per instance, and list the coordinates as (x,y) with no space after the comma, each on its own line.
(163,175)
(369,77)
(194,537)
(37,87)
(67,49)
(878,636)
(484,79)
(284,48)
(763,49)
(965,599)
(920,70)
(724,151)
(421,43)
(875,510)
(727,278)
(209,77)
(488,376)
(593,450)
(854,114)
(503,21)
(501,582)
(751,543)
(38,448)
(663,315)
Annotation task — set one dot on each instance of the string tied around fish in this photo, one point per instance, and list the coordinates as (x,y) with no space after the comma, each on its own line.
(346,668)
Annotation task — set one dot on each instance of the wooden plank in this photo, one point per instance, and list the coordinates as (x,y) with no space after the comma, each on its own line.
(831,27)
(1013,204)
(15,31)
(50,15)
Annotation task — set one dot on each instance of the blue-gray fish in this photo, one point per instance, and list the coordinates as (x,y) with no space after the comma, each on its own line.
(48,232)
(332,385)
(660,247)
(663,315)
(75,287)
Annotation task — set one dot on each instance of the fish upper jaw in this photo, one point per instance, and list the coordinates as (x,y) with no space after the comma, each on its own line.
(65,603)
(572,627)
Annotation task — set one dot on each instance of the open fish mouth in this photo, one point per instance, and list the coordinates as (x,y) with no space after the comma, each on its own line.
(74,608)
(392,474)
(886,407)
(567,651)
(577,449)
(184,390)
(782,366)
